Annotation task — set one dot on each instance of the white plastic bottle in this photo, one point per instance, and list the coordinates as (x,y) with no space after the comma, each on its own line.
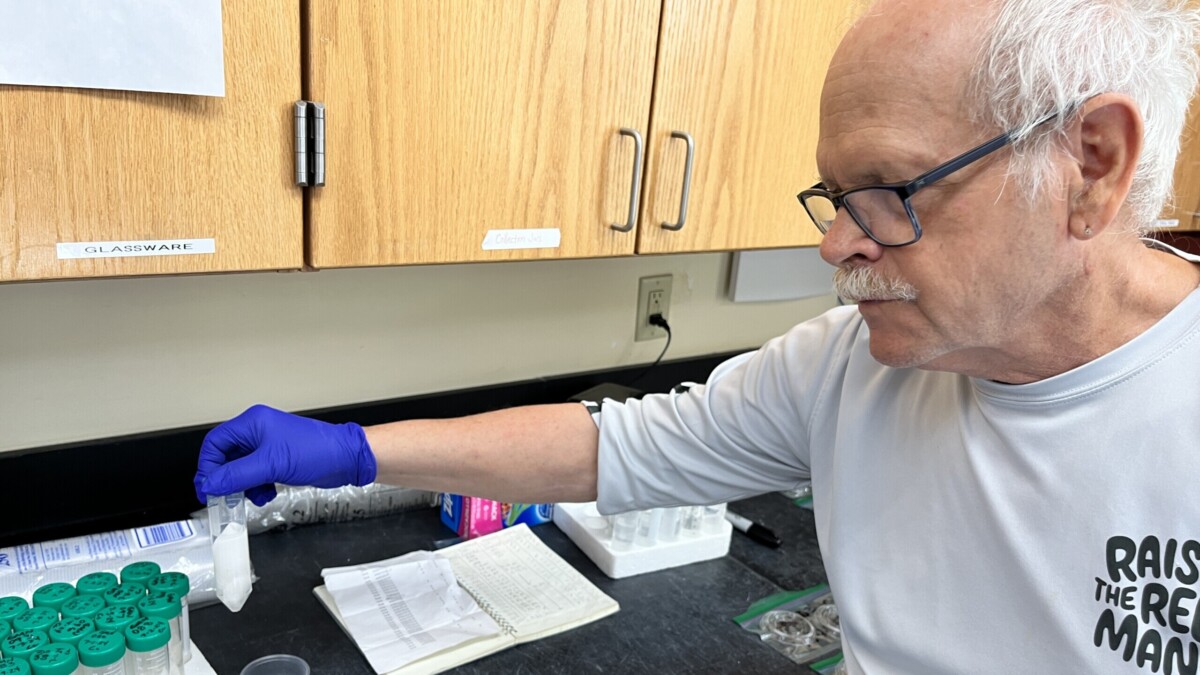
(231,549)
(147,641)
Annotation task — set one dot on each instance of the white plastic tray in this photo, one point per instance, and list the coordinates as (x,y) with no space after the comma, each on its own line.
(638,559)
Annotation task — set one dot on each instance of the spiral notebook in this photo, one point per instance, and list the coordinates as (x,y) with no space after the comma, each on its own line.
(528,590)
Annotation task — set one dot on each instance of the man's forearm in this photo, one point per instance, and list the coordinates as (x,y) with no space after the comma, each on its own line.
(544,453)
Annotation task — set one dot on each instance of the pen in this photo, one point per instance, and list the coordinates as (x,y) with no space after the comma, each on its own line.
(752,529)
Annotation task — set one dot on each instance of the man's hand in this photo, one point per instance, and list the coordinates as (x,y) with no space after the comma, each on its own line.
(264,446)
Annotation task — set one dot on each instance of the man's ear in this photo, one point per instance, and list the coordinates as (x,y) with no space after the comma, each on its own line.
(1106,142)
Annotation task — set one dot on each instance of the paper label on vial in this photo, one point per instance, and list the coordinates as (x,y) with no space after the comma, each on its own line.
(134,249)
(499,240)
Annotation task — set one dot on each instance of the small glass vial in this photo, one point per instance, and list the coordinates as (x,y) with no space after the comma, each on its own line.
(669,525)
(71,631)
(21,645)
(82,607)
(599,526)
(11,607)
(35,618)
(102,653)
(693,520)
(147,641)
(624,530)
(14,667)
(96,583)
(54,659)
(647,528)
(125,595)
(166,606)
(714,519)
(117,619)
(231,549)
(53,595)
(140,572)
(178,584)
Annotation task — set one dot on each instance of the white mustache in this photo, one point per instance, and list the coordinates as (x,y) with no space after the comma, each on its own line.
(857,284)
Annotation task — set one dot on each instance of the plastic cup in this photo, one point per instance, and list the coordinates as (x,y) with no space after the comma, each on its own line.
(277,664)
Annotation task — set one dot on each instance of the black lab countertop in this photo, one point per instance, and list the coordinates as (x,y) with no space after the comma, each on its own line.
(671,621)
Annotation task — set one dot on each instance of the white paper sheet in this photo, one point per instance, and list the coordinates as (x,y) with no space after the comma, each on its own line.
(405,608)
(170,46)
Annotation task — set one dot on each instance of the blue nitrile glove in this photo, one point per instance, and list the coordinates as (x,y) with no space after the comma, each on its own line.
(264,446)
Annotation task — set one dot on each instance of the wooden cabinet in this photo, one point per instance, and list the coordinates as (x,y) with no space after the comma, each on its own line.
(1186,206)
(744,80)
(447,121)
(79,165)
(456,131)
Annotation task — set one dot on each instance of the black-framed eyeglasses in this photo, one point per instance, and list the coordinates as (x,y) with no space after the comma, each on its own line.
(884,211)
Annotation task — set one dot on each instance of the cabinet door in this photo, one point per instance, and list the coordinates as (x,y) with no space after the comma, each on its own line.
(1186,206)
(744,79)
(447,121)
(86,165)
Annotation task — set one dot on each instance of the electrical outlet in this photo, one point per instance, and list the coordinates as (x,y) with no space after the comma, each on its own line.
(654,297)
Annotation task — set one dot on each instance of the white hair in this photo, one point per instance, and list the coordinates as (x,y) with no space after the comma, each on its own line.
(1045,56)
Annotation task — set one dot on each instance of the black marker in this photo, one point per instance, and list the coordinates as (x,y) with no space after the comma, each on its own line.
(753,530)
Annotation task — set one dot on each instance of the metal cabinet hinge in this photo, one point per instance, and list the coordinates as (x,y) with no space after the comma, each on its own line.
(310,143)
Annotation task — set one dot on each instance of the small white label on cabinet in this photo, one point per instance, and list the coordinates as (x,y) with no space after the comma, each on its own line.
(549,237)
(1174,222)
(135,249)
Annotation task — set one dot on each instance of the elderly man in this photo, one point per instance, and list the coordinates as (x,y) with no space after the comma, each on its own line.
(1001,435)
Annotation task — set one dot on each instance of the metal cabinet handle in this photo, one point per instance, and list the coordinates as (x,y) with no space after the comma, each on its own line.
(638,149)
(687,180)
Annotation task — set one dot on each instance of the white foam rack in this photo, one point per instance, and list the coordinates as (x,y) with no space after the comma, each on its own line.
(572,519)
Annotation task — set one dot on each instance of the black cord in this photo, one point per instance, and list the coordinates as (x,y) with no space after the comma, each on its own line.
(660,321)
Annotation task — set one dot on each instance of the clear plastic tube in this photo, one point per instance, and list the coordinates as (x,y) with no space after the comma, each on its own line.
(175,647)
(624,530)
(185,631)
(648,524)
(714,518)
(231,549)
(155,662)
(693,520)
(117,668)
(669,525)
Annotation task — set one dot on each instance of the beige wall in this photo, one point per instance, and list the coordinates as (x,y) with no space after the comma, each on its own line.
(89,359)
